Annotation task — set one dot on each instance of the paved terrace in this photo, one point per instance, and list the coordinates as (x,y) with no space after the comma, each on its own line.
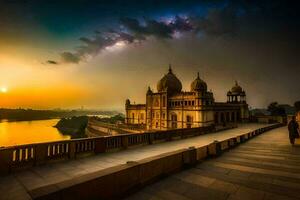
(266,167)
(16,186)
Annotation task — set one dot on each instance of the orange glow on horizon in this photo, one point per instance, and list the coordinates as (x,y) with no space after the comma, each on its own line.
(28,83)
(43,97)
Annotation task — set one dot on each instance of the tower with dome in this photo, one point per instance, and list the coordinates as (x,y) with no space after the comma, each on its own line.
(171,108)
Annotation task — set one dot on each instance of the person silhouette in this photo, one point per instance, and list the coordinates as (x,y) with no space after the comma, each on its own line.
(293,130)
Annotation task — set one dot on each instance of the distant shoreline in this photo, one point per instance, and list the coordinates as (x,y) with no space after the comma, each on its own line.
(27,120)
(15,115)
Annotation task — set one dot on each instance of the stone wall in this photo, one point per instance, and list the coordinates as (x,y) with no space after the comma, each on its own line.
(25,156)
(119,181)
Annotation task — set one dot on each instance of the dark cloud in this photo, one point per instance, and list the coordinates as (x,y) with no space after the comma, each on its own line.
(181,24)
(52,62)
(252,20)
(158,29)
(68,57)
(133,25)
(136,32)
(93,46)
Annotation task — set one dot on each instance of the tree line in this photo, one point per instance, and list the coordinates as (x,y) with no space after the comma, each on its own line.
(30,114)
(278,110)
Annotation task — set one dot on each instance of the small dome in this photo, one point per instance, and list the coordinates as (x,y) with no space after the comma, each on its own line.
(236,89)
(169,83)
(149,91)
(198,85)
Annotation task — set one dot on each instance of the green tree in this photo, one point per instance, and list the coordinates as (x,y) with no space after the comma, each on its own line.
(275,109)
(297,106)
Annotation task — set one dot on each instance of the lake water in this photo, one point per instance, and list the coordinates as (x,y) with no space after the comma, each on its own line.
(26,132)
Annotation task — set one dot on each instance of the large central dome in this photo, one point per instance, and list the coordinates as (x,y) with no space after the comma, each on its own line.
(169,83)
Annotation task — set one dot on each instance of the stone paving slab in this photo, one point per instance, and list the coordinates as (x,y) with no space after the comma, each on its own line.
(266,167)
(35,177)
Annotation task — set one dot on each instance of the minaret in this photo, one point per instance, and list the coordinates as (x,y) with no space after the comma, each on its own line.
(170,69)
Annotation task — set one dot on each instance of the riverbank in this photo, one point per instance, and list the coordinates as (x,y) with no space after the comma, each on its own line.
(74,126)
(30,114)
(18,132)
(26,132)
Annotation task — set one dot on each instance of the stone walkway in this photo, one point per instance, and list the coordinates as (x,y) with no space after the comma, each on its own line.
(16,185)
(266,167)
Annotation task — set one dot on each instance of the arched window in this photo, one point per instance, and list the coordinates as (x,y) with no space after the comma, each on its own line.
(157,115)
(156,103)
(174,120)
(164,101)
(189,121)
(132,117)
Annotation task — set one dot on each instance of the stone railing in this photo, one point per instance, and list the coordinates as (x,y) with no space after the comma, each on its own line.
(24,156)
(119,181)
(94,123)
(120,128)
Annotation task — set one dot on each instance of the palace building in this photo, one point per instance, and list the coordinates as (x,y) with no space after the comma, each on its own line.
(171,108)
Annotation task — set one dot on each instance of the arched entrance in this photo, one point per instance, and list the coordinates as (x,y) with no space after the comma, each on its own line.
(189,121)
(222,118)
(216,118)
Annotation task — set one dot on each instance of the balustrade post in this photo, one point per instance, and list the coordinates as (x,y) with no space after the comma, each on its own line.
(218,148)
(125,141)
(40,154)
(182,135)
(190,156)
(100,145)
(151,138)
(232,142)
(169,136)
(72,150)
(214,149)
(6,158)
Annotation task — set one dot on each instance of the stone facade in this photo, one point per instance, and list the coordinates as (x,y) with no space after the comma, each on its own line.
(171,108)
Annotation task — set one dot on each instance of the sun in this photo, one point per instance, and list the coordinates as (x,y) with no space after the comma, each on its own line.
(3,89)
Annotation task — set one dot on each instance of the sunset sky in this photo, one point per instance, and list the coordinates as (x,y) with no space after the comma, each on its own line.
(95,54)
